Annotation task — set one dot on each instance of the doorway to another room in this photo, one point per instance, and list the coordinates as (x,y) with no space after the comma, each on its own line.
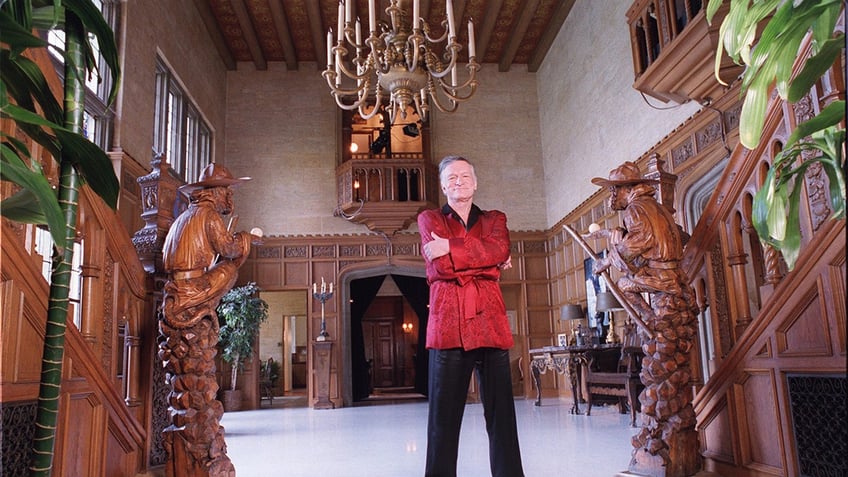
(388,321)
(283,344)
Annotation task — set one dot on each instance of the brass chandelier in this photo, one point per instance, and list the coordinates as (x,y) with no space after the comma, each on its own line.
(396,66)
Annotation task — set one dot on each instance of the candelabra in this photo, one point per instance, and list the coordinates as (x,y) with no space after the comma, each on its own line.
(402,58)
(322,295)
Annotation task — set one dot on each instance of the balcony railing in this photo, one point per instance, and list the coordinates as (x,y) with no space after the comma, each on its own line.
(674,49)
(386,194)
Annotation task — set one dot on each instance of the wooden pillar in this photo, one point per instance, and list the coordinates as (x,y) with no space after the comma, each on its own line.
(322,352)
(132,348)
(737,259)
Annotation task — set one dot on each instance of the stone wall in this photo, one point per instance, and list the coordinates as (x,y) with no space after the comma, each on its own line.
(591,118)
(283,131)
(181,39)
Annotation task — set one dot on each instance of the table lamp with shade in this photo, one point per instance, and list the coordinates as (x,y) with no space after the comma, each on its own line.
(607,302)
(570,313)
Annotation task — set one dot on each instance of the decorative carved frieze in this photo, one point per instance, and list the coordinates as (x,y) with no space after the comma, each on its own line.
(818,194)
(325,251)
(710,134)
(534,246)
(350,251)
(267,252)
(403,249)
(298,251)
(681,153)
(376,250)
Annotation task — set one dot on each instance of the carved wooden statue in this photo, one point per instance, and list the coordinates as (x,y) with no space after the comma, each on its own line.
(648,251)
(202,258)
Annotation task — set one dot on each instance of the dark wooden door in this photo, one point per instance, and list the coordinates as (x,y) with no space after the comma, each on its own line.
(380,329)
(383,339)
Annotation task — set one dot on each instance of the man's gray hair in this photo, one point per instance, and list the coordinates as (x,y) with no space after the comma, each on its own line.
(448,160)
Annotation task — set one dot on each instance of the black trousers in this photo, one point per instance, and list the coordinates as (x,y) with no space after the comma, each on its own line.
(450,374)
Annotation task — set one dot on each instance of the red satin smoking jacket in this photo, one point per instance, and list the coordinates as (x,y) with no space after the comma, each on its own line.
(466,305)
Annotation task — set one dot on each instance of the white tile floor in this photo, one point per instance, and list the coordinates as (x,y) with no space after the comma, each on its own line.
(389,440)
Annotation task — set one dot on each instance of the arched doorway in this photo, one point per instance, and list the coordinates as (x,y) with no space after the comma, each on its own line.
(358,289)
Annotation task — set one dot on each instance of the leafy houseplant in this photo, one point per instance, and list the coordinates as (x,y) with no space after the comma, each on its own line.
(26,99)
(240,314)
(820,140)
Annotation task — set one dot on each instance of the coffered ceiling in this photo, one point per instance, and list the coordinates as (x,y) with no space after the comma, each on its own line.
(509,32)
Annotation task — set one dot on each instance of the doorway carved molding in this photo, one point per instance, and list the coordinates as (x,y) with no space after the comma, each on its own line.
(365,270)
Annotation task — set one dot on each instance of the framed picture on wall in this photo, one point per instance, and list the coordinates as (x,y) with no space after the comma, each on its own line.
(594,285)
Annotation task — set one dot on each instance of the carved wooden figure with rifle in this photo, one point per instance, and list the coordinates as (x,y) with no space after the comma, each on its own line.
(647,250)
(202,257)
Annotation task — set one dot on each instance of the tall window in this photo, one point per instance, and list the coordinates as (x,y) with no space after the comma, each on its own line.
(180,130)
(44,247)
(98,118)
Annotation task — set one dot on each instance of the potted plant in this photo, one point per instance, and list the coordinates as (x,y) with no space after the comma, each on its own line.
(240,314)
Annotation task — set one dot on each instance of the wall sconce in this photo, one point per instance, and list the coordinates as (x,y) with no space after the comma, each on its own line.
(407,327)
(354,147)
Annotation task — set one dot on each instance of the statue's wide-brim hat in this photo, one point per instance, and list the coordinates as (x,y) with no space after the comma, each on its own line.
(214,175)
(625,174)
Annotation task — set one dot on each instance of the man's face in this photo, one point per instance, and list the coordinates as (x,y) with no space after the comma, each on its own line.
(618,196)
(459,181)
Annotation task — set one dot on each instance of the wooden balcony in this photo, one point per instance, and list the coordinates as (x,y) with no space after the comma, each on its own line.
(674,50)
(385,194)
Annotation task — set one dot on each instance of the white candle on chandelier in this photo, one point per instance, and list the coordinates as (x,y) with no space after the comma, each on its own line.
(472,48)
(453,76)
(449,8)
(416,13)
(331,288)
(348,10)
(330,48)
(358,33)
(341,22)
(314,288)
(372,16)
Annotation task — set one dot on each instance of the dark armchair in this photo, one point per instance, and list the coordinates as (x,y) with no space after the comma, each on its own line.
(614,372)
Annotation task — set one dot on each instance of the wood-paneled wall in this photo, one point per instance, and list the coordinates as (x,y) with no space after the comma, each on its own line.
(295,263)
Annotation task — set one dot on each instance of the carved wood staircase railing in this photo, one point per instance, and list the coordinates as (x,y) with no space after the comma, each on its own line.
(104,372)
(104,413)
(770,327)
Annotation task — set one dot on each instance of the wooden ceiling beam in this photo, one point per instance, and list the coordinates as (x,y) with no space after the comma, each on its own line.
(249,34)
(319,34)
(549,35)
(487,27)
(205,11)
(517,34)
(278,15)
